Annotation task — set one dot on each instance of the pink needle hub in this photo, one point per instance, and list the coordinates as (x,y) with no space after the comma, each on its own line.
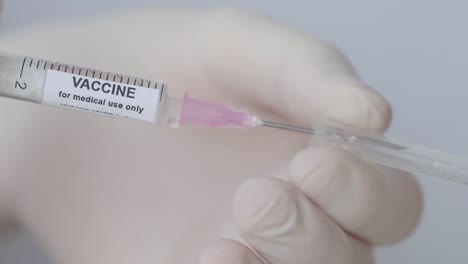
(211,114)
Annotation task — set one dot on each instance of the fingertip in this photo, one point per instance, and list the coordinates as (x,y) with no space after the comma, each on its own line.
(381,106)
(359,106)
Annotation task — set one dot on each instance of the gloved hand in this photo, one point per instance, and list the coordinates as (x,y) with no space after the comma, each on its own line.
(98,190)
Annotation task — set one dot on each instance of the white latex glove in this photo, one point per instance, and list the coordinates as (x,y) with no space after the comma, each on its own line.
(96,190)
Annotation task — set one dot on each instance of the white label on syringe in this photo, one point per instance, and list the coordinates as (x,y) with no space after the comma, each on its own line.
(100,96)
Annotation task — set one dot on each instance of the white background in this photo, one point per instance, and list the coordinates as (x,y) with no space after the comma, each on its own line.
(414,52)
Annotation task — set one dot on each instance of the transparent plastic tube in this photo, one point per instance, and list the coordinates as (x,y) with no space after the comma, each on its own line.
(390,152)
(415,159)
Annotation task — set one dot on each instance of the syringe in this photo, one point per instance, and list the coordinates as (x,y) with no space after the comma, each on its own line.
(120,96)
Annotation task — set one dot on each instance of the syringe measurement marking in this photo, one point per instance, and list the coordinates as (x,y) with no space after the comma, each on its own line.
(162,92)
(22,68)
(108,75)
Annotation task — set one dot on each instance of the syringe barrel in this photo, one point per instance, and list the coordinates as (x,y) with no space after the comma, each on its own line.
(81,89)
